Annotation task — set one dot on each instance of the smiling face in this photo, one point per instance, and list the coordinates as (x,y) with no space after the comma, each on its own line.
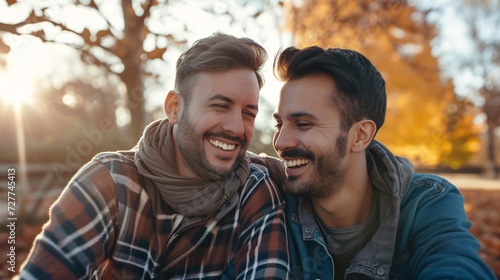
(216,127)
(309,138)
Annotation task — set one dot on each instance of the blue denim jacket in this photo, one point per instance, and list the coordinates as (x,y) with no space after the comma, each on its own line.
(423,232)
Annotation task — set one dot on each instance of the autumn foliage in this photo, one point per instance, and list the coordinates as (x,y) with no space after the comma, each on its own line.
(425,122)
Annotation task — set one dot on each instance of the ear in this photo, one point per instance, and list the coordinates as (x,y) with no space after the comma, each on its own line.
(172,106)
(363,135)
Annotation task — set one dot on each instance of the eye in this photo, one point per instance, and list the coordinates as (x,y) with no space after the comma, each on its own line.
(278,125)
(250,114)
(303,125)
(220,106)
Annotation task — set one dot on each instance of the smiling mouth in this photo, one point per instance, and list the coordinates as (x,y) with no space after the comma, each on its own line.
(222,145)
(295,163)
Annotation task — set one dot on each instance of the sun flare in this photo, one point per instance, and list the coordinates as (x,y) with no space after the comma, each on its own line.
(15,91)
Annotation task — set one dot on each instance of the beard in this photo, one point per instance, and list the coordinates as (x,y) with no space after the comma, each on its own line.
(326,177)
(193,153)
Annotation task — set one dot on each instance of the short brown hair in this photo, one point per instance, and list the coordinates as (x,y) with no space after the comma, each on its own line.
(219,52)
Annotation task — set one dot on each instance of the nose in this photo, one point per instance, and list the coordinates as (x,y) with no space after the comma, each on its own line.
(284,140)
(234,125)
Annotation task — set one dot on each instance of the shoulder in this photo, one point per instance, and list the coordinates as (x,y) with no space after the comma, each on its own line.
(433,233)
(259,196)
(275,167)
(426,187)
(260,184)
(109,172)
(432,197)
(258,170)
(118,163)
(124,159)
(431,181)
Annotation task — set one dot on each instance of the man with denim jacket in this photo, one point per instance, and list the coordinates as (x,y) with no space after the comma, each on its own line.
(354,209)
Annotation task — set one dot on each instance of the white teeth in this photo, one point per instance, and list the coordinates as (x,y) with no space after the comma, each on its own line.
(222,145)
(296,162)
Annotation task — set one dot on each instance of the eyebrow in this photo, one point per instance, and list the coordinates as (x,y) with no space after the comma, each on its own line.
(229,100)
(297,115)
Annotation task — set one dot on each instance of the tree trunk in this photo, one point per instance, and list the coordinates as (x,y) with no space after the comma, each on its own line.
(491,170)
(491,119)
(132,74)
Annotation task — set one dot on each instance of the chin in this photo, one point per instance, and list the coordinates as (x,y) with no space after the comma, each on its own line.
(223,169)
(225,166)
(297,188)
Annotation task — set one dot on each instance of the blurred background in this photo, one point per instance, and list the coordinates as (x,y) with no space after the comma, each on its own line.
(78,77)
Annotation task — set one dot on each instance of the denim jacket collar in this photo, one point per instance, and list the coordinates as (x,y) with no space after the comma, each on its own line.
(391,176)
(307,221)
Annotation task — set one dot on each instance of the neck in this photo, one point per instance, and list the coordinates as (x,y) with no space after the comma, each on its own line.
(352,203)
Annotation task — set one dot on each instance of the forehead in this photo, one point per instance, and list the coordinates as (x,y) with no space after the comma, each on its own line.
(310,95)
(236,84)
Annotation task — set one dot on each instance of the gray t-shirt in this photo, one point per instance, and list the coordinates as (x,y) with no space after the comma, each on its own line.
(343,243)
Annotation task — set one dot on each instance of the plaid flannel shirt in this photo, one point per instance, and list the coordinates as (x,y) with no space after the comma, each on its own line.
(104,226)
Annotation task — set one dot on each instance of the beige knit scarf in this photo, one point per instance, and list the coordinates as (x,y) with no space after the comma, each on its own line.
(155,159)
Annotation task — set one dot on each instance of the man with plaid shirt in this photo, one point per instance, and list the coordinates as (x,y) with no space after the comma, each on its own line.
(186,202)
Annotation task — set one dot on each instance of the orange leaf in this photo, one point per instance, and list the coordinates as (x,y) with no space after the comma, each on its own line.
(86,34)
(102,33)
(156,53)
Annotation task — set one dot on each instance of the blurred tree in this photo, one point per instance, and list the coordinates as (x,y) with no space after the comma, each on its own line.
(396,38)
(461,132)
(81,100)
(108,34)
(474,64)
(62,118)
(483,20)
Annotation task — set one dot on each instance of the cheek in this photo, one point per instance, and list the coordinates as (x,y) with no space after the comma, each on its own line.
(206,122)
(275,138)
(249,128)
(315,142)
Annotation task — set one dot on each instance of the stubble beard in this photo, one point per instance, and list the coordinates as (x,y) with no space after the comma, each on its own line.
(193,152)
(327,176)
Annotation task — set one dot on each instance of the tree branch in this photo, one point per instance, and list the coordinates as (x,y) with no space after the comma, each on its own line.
(147,10)
(33,19)
(94,5)
(86,52)
(169,37)
(11,28)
